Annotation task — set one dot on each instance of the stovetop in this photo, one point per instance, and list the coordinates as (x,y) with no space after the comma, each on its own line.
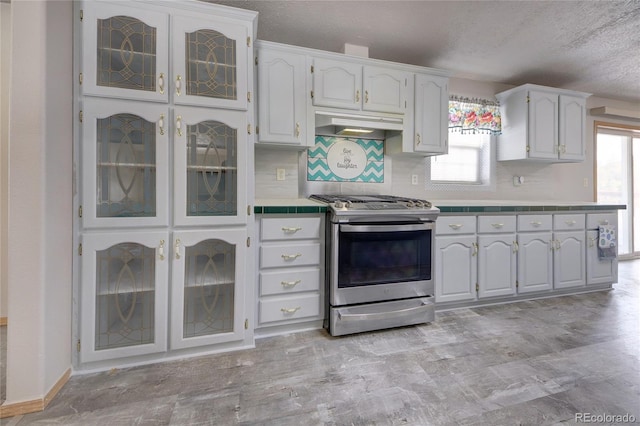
(375,204)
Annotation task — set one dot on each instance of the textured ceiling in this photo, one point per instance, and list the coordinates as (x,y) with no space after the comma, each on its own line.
(591,46)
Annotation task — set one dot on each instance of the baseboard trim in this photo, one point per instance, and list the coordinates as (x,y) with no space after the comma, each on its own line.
(3,321)
(10,410)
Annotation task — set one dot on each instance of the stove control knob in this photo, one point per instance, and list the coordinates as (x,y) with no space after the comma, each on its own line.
(348,205)
(339,204)
(419,204)
(410,204)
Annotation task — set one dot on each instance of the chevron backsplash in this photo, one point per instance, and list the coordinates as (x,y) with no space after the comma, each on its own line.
(318,168)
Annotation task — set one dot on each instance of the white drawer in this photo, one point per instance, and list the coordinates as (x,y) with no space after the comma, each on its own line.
(496,224)
(290,228)
(535,222)
(289,307)
(288,282)
(455,225)
(285,255)
(568,222)
(599,219)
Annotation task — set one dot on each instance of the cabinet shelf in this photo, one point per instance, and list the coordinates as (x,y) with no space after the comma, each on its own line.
(128,52)
(211,168)
(132,165)
(125,290)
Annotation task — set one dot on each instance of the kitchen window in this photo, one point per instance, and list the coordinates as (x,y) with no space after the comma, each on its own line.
(469,163)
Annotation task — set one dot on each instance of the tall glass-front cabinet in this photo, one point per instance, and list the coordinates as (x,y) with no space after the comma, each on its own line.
(164,150)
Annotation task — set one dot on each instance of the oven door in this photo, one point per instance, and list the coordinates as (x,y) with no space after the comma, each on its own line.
(383,261)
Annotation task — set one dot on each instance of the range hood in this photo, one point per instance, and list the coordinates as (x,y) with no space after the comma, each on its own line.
(346,124)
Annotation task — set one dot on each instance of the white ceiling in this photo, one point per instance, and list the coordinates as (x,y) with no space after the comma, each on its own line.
(590,46)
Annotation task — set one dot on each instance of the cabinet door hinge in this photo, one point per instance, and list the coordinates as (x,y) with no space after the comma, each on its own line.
(78,345)
(80,211)
(249,129)
(246,323)
(80,79)
(256,60)
(248,41)
(81,116)
(80,250)
(312,94)
(528,148)
(528,99)
(517,284)
(248,96)
(81,15)
(477,288)
(257,130)
(311,69)
(249,210)
(248,241)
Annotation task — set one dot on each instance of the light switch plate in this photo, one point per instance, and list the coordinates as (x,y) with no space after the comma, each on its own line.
(280,174)
(414,179)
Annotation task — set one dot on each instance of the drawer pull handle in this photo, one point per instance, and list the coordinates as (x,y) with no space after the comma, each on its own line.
(497,225)
(455,225)
(291,230)
(291,256)
(570,222)
(289,284)
(536,223)
(289,311)
(604,222)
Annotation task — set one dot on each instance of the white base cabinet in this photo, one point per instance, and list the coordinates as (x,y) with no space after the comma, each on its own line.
(483,257)
(290,273)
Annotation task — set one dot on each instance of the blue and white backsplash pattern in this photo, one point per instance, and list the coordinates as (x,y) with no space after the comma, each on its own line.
(338,159)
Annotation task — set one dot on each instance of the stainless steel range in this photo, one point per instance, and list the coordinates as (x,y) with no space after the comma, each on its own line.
(379,262)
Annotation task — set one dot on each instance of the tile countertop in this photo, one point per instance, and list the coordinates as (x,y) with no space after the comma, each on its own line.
(498,206)
(304,205)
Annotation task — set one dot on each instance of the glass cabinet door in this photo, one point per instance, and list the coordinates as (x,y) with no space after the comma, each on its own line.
(207,292)
(124,294)
(210,172)
(125,52)
(124,164)
(209,63)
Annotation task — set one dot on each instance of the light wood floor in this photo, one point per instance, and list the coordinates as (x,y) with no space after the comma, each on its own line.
(529,363)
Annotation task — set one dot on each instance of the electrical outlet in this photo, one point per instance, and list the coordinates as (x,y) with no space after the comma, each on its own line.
(585,182)
(414,179)
(280,174)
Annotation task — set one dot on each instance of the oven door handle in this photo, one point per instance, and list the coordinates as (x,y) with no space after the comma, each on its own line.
(386,228)
(381,315)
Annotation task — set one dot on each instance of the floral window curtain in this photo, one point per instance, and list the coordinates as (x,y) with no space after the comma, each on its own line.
(474,116)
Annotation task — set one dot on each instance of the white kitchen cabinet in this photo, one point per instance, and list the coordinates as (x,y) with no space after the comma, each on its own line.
(535,253)
(431,115)
(542,123)
(126,50)
(353,86)
(599,271)
(497,249)
(569,250)
(208,287)
(210,166)
(456,264)
(125,163)
(123,311)
(142,204)
(290,271)
(282,96)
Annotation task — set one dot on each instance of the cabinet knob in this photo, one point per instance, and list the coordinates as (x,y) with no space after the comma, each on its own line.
(161,83)
(357,96)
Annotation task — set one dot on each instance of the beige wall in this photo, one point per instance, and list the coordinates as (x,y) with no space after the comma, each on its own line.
(5,37)
(552,182)
(40,185)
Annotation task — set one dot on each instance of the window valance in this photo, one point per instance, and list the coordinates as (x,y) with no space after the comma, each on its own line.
(468,115)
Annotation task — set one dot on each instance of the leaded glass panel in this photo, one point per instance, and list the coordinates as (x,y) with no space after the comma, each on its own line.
(209,288)
(126,54)
(126,167)
(125,296)
(212,169)
(211,65)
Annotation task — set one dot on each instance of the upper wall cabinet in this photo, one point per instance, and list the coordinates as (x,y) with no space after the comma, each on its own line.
(282,96)
(542,123)
(432,106)
(125,54)
(341,84)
